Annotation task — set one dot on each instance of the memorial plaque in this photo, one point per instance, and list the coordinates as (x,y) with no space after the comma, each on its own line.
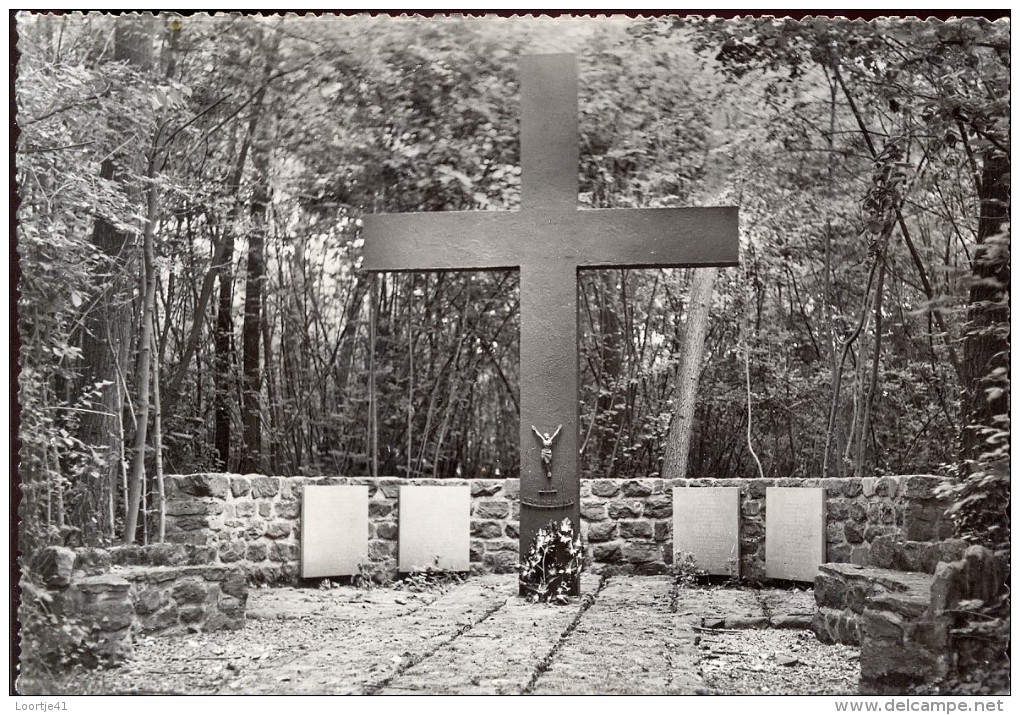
(435,528)
(706,525)
(334,530)
(794,532)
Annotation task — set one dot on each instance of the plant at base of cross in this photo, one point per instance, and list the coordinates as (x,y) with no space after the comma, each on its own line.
(553,564)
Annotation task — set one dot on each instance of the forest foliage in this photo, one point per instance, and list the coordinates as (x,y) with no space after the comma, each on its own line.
(191,193)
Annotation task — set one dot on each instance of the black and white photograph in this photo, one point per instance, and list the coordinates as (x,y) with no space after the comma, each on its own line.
(511,353)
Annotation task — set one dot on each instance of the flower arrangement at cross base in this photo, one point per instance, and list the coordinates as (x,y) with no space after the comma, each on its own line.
(553,564)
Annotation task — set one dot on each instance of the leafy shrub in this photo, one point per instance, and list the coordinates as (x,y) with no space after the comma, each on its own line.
(553,564)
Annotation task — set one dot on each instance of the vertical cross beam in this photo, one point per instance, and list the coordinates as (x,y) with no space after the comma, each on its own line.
(549,171)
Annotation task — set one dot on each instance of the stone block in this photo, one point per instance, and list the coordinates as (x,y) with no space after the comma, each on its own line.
(492,510)
(662,531)
(605,487)
(53,566)
(921,520)
(435,527)
(334,530)
(486,529)
(795,532)
(92,561)
(240,486)
(511,489)
(706,524)
(838,553)
(602,531)
(501,561)
(513,530)
(659,506)
(244,509)
(485,487)
(853,487)
(278,529)
(256,552)
(858,510)
(640,529)
(232,551)
(282,551)
(189,590)
(191,614)
(382,550)
(476,551)
(284,510)
(377,508)
(262,487)
(636,552)
(886,487)
(265,508)
(624,509)
(636,488)
(853,533)
(593,510)
(873,531)
(607,553)
(757,488)
(149,599)
(501,545)
(837,509)
(203,485)
(386,530)
(751,508)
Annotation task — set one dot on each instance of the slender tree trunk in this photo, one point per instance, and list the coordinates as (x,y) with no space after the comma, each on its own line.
(251,329)
(875,362)
(222,362)
(678,444)
(157,442)
(136,480)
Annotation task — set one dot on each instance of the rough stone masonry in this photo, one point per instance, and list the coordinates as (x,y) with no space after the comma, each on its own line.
(626,524)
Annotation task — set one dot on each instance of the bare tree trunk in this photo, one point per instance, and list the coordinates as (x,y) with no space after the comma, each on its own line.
(143,373)
(251,329)
(875,362)
(986,346)
(678,444)
(157,442)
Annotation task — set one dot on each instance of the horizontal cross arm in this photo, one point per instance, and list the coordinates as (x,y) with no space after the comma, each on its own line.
(441,241)
(654,238)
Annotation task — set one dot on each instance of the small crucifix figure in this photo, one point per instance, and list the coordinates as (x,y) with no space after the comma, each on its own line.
(549,240)
(547,443)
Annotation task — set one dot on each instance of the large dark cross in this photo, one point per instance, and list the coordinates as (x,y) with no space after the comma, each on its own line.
(549,240)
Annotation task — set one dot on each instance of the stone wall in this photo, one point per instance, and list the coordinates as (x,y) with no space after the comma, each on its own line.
(253,520)
(107,596)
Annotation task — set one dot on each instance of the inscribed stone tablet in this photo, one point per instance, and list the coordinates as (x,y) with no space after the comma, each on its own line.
(706,525)
(435,523)
(794,532)
(334,530)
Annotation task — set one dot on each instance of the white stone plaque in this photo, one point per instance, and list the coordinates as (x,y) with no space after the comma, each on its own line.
(794,532)
(334,530)
(706,525)
(435,528)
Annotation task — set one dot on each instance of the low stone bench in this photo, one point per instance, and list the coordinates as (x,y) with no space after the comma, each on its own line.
(105,596)
(901,620)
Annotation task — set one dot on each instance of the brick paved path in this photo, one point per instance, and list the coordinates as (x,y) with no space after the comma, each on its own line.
(624,635)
